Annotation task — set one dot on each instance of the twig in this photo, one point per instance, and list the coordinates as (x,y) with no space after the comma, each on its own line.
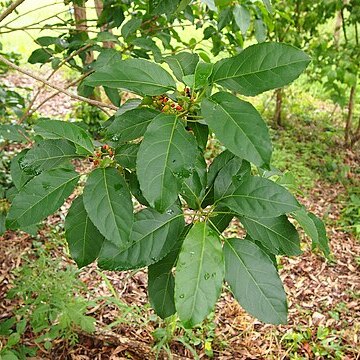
(53,86)
(28,109)
(10,9)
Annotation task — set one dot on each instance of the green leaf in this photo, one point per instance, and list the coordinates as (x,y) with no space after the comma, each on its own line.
(136,75)
(261,67)
(12,133)
(40,197)
(161,281)
(107,200)
(129,28)
(40,56)
(56,129)
(201,133)
(106,57)
(254,281)
(239,126)
(258,197)
(113,95)
(131,125)
(84,239)
(314,228)
(182,64)
(167,7)
(260,30)
(2,223)
(18,175)
(134,185)
(46,155)
(225,18)
(242,17)
(125,155)
(165,158)
(199,274)
(230,176)
(278,235)
(222,220)
(202,74)
(323,241)
(194,187)
(152,237)
(218,163)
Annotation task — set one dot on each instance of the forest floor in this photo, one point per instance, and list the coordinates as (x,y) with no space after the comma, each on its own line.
(323,295)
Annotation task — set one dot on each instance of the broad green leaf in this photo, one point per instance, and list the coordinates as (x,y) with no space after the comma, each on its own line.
(148,44)
(18,175)
(242,17)
(152,237)
(2,223)
(323,242)
(41,56)
(56,129)
(278,235)
(260,30)
(230,176)
(113,95)
(254,281)
(218,163)
(130,27)
(257,197)
(194,186)
(83,237)
(40,197)
(182,64)
(131,125)
(136,75)
(165,159)
(46,155)
(221,220)
(261,67)
(201,133)
(12,133)
(314,228)
(125,155)
(225,18)
(239,126)
(106,57)
(202,74)
(162,6)
(107,200)
(199,274)
(161,281)
(134,186)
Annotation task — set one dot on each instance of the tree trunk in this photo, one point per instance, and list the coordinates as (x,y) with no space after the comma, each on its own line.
(81,25)
(338,27)
(278,108)
(349,116)
(99,8)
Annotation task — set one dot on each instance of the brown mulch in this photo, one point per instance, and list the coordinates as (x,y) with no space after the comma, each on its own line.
(317,290)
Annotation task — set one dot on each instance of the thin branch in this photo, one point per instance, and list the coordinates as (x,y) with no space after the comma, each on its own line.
(58,88)
(10,9)
(28,110)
